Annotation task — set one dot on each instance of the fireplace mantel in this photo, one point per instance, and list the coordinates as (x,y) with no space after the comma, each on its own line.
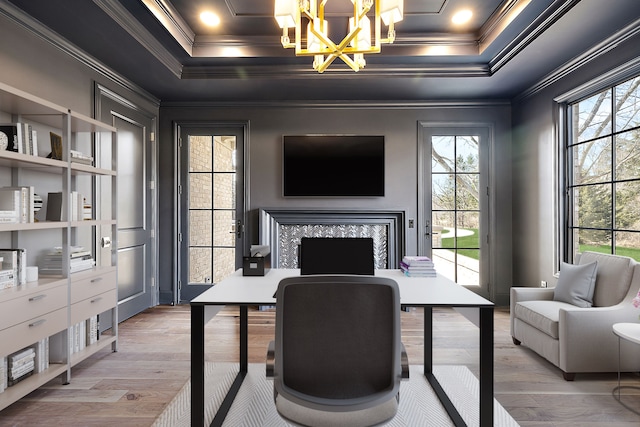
(282,229)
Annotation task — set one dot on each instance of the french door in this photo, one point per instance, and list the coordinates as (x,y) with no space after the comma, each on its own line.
(211,217)
(454,190)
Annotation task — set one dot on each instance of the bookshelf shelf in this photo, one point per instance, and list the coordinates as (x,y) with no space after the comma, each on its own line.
(58,312)
(104,342)
(26,386)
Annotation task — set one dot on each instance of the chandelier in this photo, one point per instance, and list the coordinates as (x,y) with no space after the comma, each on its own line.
(351,49)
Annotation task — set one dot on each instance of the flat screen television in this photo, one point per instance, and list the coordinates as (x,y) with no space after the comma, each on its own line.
(333,166)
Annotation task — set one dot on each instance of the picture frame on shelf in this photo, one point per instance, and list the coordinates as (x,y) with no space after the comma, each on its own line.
(56,146)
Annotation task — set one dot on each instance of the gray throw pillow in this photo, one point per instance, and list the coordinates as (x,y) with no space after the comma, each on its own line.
(576,284)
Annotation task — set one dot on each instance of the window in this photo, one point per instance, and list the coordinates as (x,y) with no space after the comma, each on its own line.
(603,172)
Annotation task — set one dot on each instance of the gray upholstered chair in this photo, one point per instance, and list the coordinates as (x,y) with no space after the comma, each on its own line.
(580,338)
(337,350)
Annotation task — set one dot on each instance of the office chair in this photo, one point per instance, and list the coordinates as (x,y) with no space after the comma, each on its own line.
(337,359)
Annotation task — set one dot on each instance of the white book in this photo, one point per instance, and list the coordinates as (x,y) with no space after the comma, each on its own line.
(34,137)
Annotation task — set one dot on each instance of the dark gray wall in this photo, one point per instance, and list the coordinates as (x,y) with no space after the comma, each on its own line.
(535,149)
(398,125)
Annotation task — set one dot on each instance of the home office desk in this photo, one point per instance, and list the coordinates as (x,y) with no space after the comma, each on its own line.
(426,292)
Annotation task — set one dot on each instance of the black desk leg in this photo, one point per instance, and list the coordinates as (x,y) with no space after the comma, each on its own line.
(244,338)
(225,407)
(428,370)
(197,365)
(486,366)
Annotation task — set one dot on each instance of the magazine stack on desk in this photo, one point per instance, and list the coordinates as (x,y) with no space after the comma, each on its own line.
(417,266)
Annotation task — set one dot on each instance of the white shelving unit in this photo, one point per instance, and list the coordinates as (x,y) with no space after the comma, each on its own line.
(49,307)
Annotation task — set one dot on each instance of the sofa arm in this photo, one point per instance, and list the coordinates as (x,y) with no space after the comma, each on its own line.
(587,341)
(519,294)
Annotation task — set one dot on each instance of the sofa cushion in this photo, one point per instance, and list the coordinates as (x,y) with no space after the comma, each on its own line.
(613,277)
(542,315)
(576,284)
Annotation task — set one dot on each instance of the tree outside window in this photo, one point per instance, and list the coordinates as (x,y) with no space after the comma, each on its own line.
(603,155)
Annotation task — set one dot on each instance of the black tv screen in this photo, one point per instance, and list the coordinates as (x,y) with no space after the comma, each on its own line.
(333,165)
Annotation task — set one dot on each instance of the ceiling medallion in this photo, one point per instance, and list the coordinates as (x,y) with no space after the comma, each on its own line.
(358,41)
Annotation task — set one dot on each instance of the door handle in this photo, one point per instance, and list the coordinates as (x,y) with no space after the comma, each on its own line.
(237,228)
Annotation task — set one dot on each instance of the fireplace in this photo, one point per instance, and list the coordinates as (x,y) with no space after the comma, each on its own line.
(282,230)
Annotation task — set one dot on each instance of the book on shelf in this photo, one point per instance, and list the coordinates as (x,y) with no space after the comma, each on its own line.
(14,260)
(79,207)
(21,364)
(26,200)
(79,157)
(4,367)
(7,279)
(30,140)
(41,360)
(13,132)
(79,260)
(10,205)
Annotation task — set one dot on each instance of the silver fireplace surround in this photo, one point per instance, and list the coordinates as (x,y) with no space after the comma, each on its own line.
(282,230)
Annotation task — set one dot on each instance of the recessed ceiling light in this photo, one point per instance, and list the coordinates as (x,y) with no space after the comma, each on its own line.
(210,18)
(462,17)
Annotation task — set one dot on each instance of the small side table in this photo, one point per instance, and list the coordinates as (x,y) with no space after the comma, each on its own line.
(629,332)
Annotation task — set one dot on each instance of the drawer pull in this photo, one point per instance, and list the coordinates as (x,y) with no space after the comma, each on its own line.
(97,279)
(96,300)
(37,323)
(37,297)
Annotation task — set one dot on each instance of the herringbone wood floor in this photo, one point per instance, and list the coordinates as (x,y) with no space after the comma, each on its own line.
(132,387)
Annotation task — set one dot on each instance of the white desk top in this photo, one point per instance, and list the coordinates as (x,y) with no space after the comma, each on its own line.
(628,331)
(416,291)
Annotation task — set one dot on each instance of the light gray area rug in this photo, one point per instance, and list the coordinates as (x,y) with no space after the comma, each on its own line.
(253,406)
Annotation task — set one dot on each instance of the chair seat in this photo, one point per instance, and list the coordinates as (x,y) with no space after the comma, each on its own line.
(542,315)
(318,418)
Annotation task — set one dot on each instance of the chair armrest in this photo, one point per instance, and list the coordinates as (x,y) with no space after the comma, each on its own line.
(404,360)
(580,328)
(271,359)
(519,294)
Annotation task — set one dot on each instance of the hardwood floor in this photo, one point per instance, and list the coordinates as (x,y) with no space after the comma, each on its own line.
(133,386)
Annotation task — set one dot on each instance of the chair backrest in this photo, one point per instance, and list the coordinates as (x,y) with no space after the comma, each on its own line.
(337,341)
(336,255)
(613,277)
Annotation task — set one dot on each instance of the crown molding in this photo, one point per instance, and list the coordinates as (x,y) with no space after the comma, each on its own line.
(341,105)
(26,21)
(171,19)
(626,33)
(550,16)
(306,72)
(130,24)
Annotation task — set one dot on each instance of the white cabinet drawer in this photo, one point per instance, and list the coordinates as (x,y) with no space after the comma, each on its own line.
(32,305)
(33,330)
(90,307)
(86,287)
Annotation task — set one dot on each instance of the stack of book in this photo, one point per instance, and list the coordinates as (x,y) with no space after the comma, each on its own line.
(79,260)
(79,157)
(13,268)
(418,266)
(20,365)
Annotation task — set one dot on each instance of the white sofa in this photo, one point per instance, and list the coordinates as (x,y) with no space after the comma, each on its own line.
(581,339)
